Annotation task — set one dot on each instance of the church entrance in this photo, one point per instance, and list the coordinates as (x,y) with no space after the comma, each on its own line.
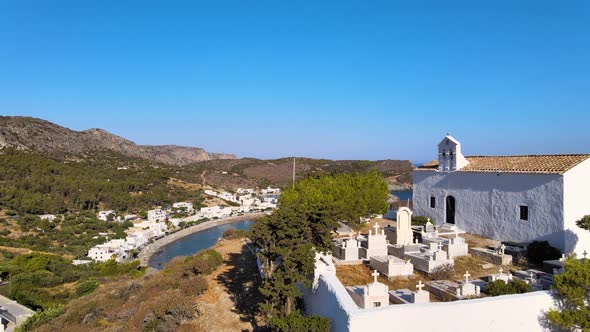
(450,209)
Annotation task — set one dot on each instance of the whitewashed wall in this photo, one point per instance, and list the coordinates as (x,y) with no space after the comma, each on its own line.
(488,203)
(330,300)
(503,313)
(576,205)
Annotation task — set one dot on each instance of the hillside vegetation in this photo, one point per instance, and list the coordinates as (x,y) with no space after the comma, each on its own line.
(33,183)
(164,301)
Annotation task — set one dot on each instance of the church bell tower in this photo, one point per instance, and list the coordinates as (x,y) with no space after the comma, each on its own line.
(450,158)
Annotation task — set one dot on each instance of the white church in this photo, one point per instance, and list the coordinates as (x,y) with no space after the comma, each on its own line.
(508,198)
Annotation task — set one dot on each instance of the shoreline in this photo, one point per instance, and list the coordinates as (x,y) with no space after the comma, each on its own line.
(146,253)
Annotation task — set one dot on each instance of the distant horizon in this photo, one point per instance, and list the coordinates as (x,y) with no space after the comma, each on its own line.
(414,162)
(327,79)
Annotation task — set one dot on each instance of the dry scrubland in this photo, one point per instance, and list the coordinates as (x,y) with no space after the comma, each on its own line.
(212,290)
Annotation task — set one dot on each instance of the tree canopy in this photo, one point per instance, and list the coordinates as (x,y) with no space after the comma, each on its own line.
(572,297)
(302,225)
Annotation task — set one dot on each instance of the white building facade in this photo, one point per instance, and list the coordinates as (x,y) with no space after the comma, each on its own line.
(508,198)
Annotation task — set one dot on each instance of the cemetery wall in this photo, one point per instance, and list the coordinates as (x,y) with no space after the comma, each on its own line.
(503,313)
(488,203)
(330,299)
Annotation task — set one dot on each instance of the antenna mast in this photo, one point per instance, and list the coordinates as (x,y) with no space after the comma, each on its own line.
(293,172)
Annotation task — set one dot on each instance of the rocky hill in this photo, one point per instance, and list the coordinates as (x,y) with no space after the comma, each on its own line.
(28,133)
(250,172)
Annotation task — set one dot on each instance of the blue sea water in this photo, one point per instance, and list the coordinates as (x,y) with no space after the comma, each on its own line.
(193,243)
(403,195)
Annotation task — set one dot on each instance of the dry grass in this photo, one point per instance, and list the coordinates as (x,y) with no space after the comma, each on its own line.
(357,275)
(474,266)
(369,226)
(479,241)
(12,226)
(186,185)
(229,302)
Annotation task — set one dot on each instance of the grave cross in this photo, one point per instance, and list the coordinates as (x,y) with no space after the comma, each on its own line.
(419,286)
(375,274)
(502,248)
(440,246)
(585,253)
(376,227)
(562,258)
(467,275)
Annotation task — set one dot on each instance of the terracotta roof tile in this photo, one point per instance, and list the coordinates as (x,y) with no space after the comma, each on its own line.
(549,164)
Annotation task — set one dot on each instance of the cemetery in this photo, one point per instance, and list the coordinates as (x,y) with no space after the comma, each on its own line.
(395,264)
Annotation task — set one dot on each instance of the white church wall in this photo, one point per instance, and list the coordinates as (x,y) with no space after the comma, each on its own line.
(504,313)
(489,203)
(576,205)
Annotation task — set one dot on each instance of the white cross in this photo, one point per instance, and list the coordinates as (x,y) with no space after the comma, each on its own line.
(502,248)
(420,285)
(375,274)
(562,257)
(440,246)
(501,272)
(467,275)
(376,227)
(531,276)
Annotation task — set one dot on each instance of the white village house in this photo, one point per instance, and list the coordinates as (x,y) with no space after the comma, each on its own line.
(509,198)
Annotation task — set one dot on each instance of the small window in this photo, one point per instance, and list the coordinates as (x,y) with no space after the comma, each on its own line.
(376,304)
(432,202)
(524,212)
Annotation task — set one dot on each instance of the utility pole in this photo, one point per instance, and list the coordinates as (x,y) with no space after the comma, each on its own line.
(293,172)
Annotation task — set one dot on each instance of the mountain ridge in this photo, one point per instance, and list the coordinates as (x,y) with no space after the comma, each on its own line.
(29,133)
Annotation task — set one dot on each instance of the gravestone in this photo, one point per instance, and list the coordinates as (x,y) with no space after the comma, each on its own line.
(392,266)
(406,296)
(506,277)
(376,243)
(347,251)
(373,295)
(404,233)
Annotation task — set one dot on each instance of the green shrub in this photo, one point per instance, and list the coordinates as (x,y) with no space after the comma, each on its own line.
(584,222)
(86,287)
(420,220)
(499,287)
(11,213)
(539,251)
(295,322)
(571,296)
(4,232)
(205,262)
(40,318)
(233,233)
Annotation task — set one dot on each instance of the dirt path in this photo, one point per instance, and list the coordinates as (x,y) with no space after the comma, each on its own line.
(230,303)
(24,251)
(203,178)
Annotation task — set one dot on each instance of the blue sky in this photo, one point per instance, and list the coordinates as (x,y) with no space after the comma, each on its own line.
(331,79)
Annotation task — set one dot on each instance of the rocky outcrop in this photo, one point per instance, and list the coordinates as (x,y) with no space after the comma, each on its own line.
(28,133)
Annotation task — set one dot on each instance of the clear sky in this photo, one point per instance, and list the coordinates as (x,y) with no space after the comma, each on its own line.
(333,79)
